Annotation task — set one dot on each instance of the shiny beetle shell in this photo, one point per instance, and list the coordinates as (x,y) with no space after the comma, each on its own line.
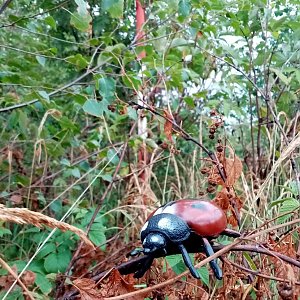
(168,224)
(203,217)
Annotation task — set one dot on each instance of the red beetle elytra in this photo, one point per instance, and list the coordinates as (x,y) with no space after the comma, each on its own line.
(186,225)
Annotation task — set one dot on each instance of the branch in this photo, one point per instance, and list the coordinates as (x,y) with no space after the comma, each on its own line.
(32,16)
(19,105)
(184,135)
(4,5)
(134,264)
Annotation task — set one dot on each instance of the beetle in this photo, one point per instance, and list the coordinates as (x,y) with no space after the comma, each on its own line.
(185,225)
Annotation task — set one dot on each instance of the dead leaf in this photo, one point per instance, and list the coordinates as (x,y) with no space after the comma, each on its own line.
(16,199)
(168,126)
(233,169)
(28,278)
(87,289)
(115,284)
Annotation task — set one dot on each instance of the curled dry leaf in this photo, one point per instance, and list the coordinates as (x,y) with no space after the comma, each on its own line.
(87,289)
(233,169)
(168,126)
(115,284)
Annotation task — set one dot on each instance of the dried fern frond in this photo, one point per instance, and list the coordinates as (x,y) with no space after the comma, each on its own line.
(26,216)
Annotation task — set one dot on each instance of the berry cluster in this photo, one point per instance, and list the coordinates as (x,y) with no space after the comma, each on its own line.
(217,121)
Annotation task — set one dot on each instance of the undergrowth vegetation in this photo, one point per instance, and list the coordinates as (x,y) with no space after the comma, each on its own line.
(109,109)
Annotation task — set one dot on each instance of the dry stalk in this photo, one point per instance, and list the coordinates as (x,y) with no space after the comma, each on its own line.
(15,276)
(26,216)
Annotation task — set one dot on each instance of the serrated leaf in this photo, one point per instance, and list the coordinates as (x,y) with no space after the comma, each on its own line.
(114,8)
(184,7)
(43,283)
(93,108)
(57,262)
(288,206)
(97,234)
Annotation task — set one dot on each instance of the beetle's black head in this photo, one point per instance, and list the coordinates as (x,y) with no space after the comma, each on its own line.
(154,242)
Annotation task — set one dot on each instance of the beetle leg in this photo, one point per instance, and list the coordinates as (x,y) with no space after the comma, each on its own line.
(187,261)
(146,266)
(213,263)
(134,252)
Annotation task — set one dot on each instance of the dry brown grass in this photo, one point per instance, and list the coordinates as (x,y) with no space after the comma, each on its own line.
(26,216)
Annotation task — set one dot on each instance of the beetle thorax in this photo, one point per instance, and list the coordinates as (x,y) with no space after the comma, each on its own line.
(153,242)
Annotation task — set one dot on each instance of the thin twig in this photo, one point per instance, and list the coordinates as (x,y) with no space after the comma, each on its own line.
(15,276)
(257,273)
(134,264)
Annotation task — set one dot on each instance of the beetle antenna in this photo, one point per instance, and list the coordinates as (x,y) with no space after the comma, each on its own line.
(187,261)
(213,263)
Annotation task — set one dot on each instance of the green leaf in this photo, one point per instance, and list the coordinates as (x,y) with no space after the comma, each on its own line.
(78,60)
(93,107)
(112,156)
(43,283)
(107,88)
(115,8)
(176,263)
(4,231)
(298,75)
(281,76)
(280,201)
(57,262)
(44,95)
(51,22)
(250,261)
(97,234)
(289,205)
(132,114)
(184,7)
(41,60)
(81,19)
(47,249)
(76,172)
(204,275)
(189,101)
